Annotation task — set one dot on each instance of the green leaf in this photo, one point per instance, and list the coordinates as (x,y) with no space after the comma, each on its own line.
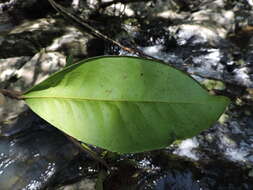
(125,104)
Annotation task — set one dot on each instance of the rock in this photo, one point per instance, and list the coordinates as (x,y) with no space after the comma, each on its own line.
(38,68)
(75,43)
(33,153)
(10,109)
(160,170)
(19,10)
(28,38)
(86,184)
(186,148)
(5,22)
(2,99)
(8,69)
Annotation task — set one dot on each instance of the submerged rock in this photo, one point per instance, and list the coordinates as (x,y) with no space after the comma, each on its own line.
(32,153)
(160,170)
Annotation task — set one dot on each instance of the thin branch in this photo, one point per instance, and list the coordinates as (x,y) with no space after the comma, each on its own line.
(86,150)
(94,31)
(12,94)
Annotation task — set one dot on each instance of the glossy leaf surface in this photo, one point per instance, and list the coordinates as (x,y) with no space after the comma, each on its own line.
(125,104)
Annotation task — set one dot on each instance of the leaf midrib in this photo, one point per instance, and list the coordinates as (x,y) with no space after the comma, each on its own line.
(106,100)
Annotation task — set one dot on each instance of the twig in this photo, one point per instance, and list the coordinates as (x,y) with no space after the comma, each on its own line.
(11,94)
(90,152)
(94,31)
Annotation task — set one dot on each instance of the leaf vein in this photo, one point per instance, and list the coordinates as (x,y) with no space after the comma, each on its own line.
(108,100)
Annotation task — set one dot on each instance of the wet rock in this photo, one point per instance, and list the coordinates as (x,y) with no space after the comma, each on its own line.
(32,153)
(86,184)
(38,68)
(76,43)
(160,170)
(58,40)
(10,109)
(19,10)
(2,99)
(5,23)
(28,38)
(171,181)
(186,148)
(8,69)
(82,173)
